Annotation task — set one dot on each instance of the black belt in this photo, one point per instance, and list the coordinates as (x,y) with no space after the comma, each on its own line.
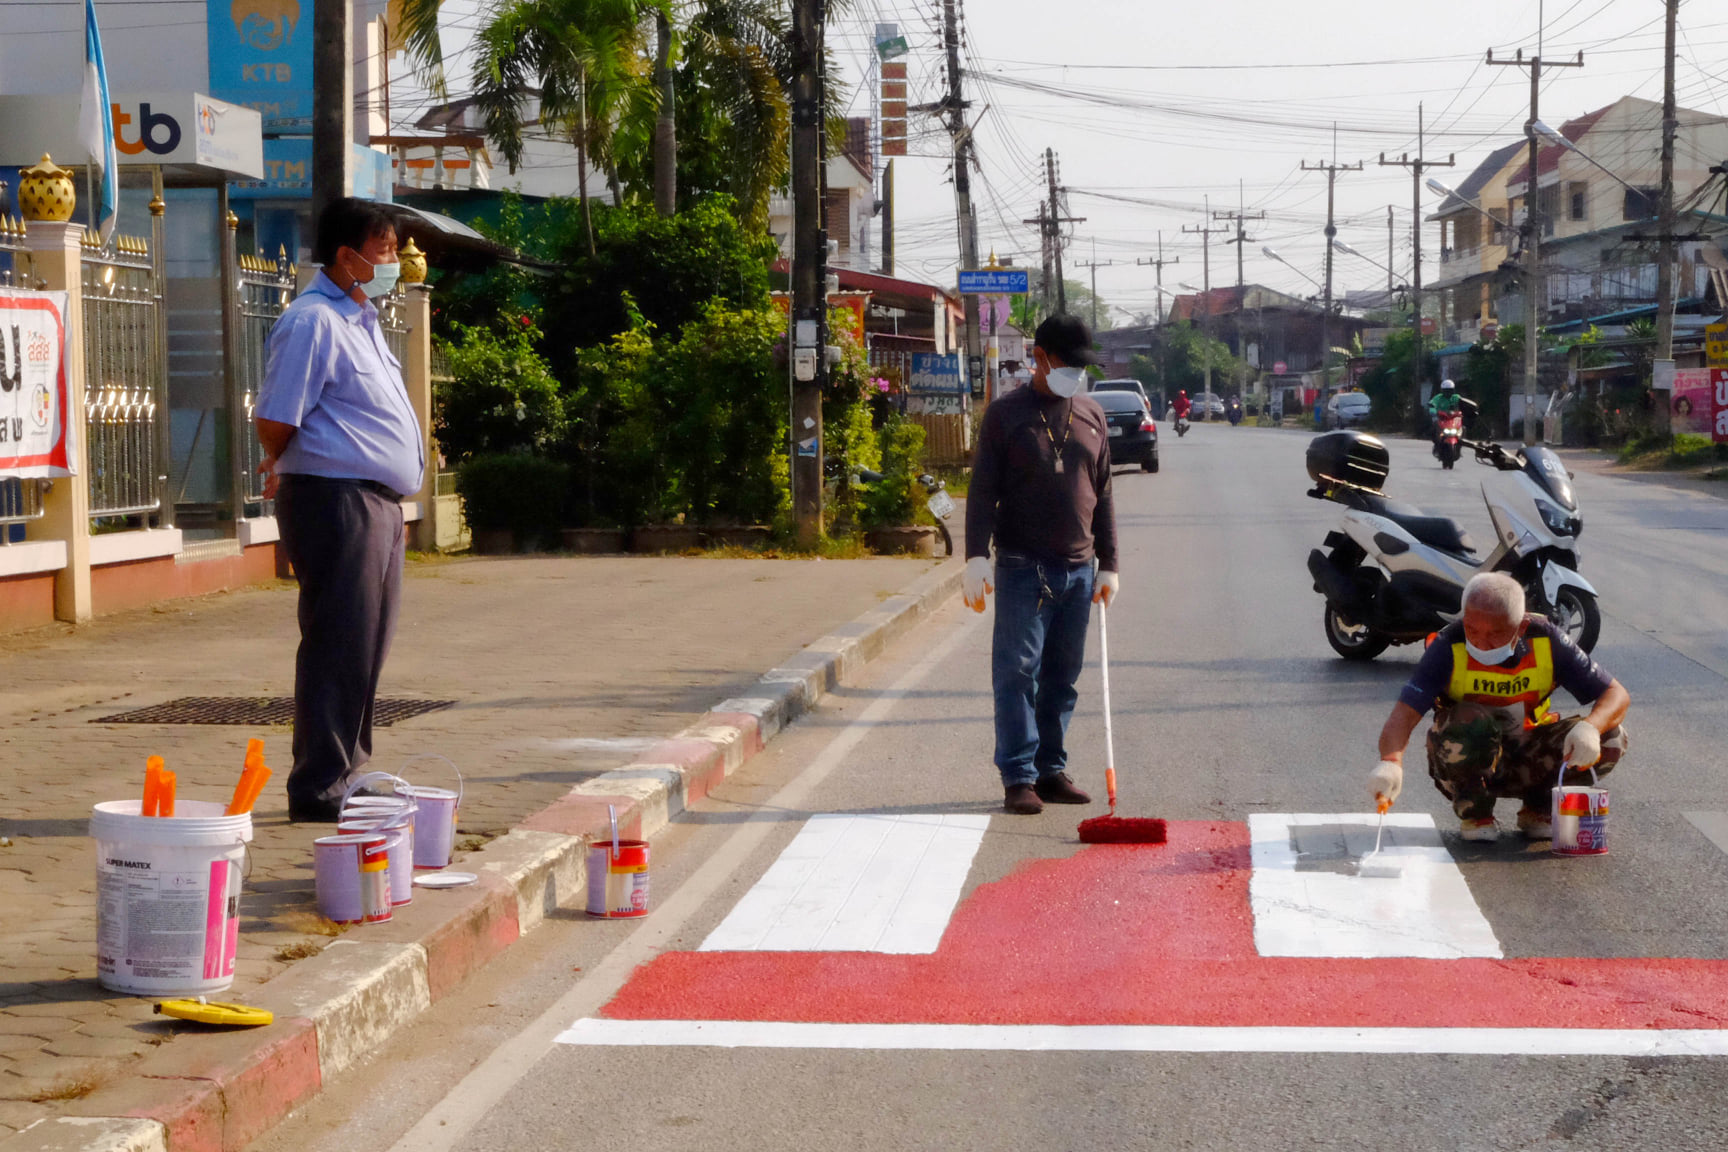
(383,490)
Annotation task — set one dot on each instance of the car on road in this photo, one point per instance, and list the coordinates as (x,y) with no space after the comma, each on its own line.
(1347,409)
(1133,432)
(1208,406)
(1128,384)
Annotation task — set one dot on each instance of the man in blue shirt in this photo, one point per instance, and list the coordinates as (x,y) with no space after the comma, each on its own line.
(343,448)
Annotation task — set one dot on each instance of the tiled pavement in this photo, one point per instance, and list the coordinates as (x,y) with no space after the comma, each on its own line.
(562,668)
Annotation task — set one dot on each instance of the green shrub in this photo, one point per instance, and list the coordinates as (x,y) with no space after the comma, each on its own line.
(724,405)
(501,397)
(513,490)
(892,501)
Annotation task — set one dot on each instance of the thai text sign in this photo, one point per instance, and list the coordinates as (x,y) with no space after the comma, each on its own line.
(935,388)
(35,440)
(1719,407)
(992,282)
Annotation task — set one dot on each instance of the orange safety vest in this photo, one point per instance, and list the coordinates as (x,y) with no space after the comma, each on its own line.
(1529,684)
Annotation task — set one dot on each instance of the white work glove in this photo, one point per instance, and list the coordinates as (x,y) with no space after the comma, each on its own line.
(976,582)
(1104,592)
(1386,780)
(1583,745)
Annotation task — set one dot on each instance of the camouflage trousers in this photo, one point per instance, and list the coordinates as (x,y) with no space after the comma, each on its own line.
(1476,758)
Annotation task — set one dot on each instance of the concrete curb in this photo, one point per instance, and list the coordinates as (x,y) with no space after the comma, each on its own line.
(338,1008)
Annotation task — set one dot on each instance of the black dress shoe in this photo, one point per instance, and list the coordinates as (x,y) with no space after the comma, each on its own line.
(1056,788)
(314,812)
(1022,800)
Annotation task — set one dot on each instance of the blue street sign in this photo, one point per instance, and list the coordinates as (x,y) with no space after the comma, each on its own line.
(996,282)
(935,374)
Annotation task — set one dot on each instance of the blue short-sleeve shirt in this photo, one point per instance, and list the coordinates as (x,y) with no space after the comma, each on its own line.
(329,373)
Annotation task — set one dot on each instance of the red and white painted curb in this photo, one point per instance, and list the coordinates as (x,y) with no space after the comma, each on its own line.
(336,1009)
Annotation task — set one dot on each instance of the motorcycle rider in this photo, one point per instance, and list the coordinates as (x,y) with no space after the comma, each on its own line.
(1488,676)
(1181,406)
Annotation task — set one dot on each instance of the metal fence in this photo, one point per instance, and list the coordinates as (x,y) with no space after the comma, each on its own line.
(266,287)
(122,376)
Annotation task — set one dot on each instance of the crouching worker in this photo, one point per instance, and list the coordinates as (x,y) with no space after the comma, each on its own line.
(1488,677)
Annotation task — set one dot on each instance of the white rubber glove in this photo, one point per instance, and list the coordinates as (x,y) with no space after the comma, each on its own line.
(1583,745)
(975,582)
(1386,780)
(1105,590)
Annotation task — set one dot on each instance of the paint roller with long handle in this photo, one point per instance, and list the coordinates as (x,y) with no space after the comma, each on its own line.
(1112,829)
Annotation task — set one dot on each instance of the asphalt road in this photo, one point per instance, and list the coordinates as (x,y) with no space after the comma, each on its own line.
(1228,703)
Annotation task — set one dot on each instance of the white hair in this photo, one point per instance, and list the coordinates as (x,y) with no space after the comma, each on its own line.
(1497,594)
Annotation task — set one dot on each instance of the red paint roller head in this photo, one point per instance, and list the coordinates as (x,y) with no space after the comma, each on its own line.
(1121,830)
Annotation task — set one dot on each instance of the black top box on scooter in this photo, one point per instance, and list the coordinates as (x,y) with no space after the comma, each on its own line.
(1346,457)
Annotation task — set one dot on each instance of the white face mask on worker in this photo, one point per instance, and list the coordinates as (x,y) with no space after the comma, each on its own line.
(1491,656)
(1065,382)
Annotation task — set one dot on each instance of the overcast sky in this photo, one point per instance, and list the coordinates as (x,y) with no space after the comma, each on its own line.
(1234,97)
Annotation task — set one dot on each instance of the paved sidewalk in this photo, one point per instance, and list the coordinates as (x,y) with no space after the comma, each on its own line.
(563,668)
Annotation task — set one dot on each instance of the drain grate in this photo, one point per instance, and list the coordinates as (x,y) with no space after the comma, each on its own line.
(260,711)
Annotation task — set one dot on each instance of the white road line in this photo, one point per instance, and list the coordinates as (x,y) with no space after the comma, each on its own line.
(1148,1038)
(1714,825)
(857,883)
(447,1124)
(1322,910)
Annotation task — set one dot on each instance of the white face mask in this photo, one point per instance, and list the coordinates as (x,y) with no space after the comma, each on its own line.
(1491,656)
(1065,382)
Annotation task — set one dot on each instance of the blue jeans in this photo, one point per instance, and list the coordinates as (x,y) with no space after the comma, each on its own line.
(1039,646)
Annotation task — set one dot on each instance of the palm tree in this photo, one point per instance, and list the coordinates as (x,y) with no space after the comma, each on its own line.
(584,60)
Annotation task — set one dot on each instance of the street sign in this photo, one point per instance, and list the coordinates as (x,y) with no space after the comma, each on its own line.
(1719,405)
(1716,345)
(996,281)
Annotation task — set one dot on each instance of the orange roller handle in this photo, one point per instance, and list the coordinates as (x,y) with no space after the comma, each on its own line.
(152,787)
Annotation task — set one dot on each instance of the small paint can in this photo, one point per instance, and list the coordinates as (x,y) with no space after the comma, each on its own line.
(618,879)
(351,872)
(436,811)
(1580,821)
(400,848)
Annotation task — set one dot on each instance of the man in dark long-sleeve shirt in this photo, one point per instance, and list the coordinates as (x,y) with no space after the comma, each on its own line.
(1041,490)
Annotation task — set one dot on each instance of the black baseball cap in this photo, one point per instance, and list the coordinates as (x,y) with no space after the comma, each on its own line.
(1067,338)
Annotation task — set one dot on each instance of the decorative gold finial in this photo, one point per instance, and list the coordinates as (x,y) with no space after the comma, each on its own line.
(413,263)
(46,192)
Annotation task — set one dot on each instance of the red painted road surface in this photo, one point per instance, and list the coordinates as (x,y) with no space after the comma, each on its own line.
(1162,936)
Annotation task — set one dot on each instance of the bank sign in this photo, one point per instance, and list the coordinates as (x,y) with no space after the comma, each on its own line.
(149,128)
(261,58)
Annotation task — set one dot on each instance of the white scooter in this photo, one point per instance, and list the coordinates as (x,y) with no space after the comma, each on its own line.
(1391,574)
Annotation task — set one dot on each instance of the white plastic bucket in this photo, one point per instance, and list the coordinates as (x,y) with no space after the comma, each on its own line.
(352,875)
(168,896)
(436,812)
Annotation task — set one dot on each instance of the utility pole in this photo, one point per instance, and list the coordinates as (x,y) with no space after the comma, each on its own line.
(961,136)
(1095,264)
(332,103)
(1050,221)
(1205,232)
(809,270)
(888,219)
(1532,234)
(1391,257)
(1158,266)
(1241,217)
(1665,252)
(1418,166)
(1331,169)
